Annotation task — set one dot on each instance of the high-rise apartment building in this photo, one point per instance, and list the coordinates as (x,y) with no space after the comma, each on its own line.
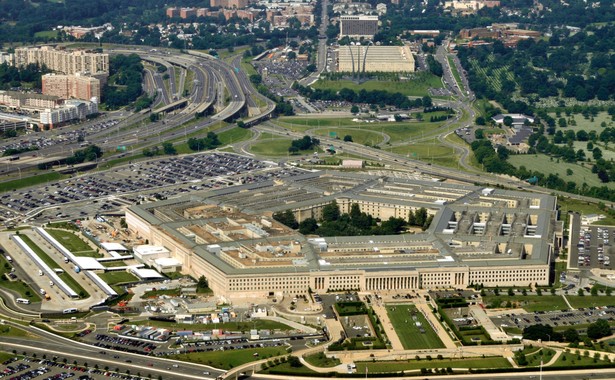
(63,61)
(71,86)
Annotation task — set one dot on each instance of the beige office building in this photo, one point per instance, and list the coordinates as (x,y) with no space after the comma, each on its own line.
(359,26)
(370,59)
(477,236)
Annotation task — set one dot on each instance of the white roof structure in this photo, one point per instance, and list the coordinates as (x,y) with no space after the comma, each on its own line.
(113,247)
(146,273)
(88,263)
(167,262)
(144,250)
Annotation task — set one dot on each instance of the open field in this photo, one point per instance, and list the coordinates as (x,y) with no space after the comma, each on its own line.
(545,164)
(529,303)
(571,359)
(434,153)
(397,366)
(73,243)
(590,301)
(229,359)
(234,135)
(582,123)
(29,181)
(418,85)
(117,277)
(273,145)
(403,319)
(398,132)
(359,135)
(321,360)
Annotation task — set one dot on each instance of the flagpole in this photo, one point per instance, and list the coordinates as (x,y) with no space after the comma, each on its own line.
(541,370)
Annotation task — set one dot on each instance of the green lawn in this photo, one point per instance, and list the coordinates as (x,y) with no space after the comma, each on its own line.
(29,181)
(433,153)
(114,264)
(229,359)
(359,135)
(117,277)
(24,290)
(571,359)
(66,277)
(590,301)
(418,85)
(529,303)
(540,163)
(12,331)
(286,368)
(397,366)
(4,356)
(234,135)
(583,123)
(407,330)
(321,360)
(272,145)
(73,243)
(47,34)
(259,324)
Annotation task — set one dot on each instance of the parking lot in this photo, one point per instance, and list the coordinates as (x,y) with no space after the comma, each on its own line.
(47,369)
(128,184)
(592,247)
(555,318)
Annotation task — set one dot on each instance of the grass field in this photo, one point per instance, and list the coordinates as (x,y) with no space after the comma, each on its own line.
(416,86)
(541,162)
(359,135)
(397,366)
(234,135)
(229,359)
(273,145)
(46,34)
(4,356)
(12,331)
(321,360)
(411,337)
(73,243)
(584,124)
(590,301)
(66,277)
(529,303)
(433,153)
(571,359)
(29,181)
(117,277)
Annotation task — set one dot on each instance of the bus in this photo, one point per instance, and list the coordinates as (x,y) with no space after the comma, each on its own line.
(22,300)
(69,311)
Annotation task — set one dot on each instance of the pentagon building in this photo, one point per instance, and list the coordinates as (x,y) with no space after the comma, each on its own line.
(478,235)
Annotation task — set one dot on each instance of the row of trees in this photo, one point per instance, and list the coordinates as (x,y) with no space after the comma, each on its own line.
(210,141)
(354,223)
(379,97)
(596,330)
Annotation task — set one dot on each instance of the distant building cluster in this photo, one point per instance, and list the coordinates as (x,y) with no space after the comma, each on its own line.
(469,6)
(361,26)
(75,86)
(509,34)
(227,8)
(19,100)
(278,14)
(80,31)
(370,59)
